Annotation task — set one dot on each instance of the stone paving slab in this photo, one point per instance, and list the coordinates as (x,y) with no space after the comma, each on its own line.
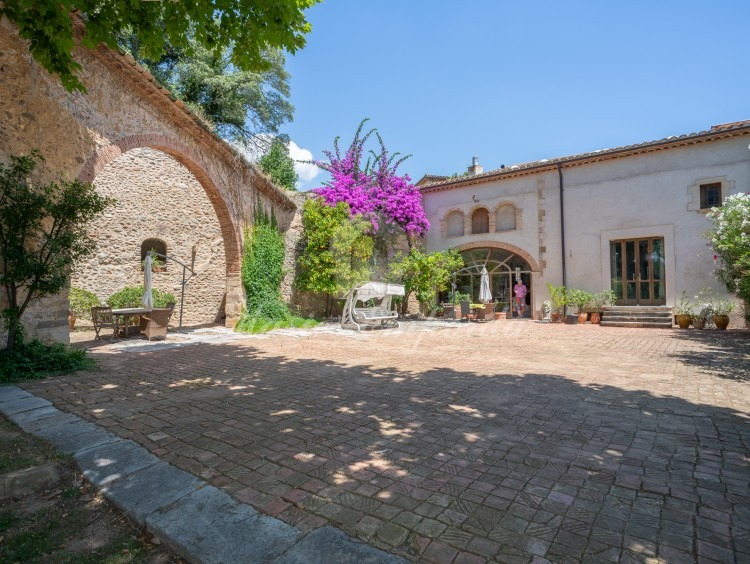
(72,436)
(144,491)
(209,526)
(108,462)
(34,415)
(326,545)
(20,404)
(9,392)
(510,441)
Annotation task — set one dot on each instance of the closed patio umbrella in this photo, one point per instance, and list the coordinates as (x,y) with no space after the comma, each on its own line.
(485,295)
(148,299)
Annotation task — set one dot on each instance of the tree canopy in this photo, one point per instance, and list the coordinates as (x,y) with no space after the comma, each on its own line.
(251,27)
(277,164)
(242,106)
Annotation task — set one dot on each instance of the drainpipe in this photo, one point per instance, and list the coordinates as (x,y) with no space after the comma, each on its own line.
(562,224)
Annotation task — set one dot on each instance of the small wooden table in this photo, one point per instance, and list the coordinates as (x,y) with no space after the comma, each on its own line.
(125,313)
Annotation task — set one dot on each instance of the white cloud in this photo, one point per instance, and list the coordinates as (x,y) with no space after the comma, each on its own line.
(307,172)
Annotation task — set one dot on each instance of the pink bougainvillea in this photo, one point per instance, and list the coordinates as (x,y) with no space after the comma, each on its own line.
(374,191)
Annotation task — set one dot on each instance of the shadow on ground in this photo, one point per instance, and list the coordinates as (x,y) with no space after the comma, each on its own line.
(725,354)
(436,463)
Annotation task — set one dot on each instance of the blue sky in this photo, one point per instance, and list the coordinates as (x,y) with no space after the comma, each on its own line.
(516,82)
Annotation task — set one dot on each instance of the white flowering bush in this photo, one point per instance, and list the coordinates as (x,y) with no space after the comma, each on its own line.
(730,238)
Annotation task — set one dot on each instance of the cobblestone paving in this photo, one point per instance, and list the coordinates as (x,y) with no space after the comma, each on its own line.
(511,441)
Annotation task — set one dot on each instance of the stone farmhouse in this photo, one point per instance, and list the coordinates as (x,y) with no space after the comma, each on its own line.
(179,187)
(628,219)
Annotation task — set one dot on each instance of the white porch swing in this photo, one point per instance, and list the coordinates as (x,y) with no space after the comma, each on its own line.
(380,315)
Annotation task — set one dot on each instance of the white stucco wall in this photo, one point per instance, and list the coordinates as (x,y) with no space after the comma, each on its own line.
(648,195)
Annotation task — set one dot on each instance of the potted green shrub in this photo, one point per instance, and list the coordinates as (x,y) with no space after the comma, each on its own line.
(684,311)
(581,299)
(558,295)
(721,308)
(601,300)
(81,302)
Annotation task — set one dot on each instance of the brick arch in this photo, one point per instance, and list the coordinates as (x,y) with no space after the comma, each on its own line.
(504,246)
(195,164)
(505,203)
(450,211)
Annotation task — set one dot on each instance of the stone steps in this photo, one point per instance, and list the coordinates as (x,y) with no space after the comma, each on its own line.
(657,317)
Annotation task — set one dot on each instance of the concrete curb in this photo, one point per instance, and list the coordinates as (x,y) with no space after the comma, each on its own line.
(198,521)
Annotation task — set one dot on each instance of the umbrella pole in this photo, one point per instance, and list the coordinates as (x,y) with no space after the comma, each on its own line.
(182,297)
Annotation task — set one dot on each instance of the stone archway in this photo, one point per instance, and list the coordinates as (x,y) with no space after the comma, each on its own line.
(504,263)
(504,246)
(193,163)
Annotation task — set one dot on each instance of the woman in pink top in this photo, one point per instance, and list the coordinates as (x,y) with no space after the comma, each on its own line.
(520,291)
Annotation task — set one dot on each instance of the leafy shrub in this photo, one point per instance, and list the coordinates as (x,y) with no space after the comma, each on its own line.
(262,270)
(132,296)
(38,360)
(81,302)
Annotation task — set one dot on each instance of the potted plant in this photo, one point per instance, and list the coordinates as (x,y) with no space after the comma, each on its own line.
(684,311)
(501,310)
(600,300)
(81,302)
(714,307)
(721,308)
(581,299)
(558,295)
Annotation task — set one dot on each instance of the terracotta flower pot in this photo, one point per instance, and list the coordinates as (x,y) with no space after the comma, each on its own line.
(71,321)
(721,321)
(555,317)
(596,317)
(684,321)
(583,317)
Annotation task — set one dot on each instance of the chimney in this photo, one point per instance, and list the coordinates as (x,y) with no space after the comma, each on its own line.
(475,167)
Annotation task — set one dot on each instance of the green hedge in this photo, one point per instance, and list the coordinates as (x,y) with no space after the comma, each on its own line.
(132,296)
(81,302)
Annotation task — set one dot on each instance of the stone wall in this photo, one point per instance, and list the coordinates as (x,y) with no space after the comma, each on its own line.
(124,109)
(157,198)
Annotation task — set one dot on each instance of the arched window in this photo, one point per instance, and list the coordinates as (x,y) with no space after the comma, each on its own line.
(480,221)
(505,218)
(455,224)
(154,245)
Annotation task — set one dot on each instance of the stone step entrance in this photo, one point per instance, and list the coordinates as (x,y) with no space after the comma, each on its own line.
(657,317)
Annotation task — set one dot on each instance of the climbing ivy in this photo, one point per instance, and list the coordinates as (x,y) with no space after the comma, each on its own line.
(262,269)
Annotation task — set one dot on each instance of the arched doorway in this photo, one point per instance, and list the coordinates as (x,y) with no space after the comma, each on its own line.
(504,268)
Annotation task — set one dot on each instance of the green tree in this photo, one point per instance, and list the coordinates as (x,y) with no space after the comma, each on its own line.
(336,249)
(352,250)
(277,164)
(239,105)
(43,233)
(730,239)
(424,274)
(253,26)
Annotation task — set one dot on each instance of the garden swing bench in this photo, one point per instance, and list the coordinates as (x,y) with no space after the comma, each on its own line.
(380,315)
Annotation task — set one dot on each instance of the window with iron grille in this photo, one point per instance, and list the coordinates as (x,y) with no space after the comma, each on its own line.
(710,195)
